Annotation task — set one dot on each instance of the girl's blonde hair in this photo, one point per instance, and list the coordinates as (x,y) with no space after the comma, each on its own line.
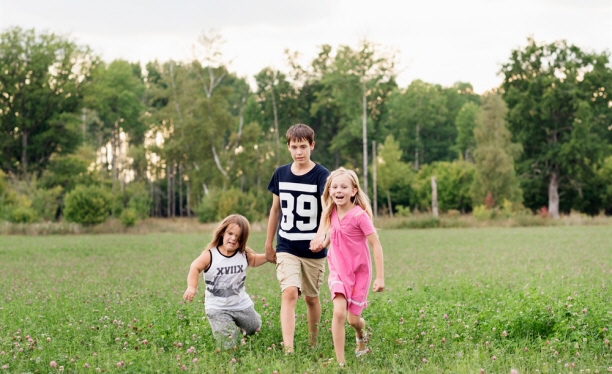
(360,197)
(234,219)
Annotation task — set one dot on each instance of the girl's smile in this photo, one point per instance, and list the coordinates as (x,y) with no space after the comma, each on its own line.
(342,190)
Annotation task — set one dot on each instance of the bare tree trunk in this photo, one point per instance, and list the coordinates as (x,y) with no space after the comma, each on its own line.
(389,204)
(84,121)
(434,196)
(24,154)
(168,207)
(364,126)
(416,151)
(553,194)
(276,126)
(241,122)
(114,155)
(188,200)
(173,190)
(374,189)
(180,169)
(218,162)
(151,193)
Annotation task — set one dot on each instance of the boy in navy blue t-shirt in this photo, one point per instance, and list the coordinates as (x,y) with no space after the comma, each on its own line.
(294,220)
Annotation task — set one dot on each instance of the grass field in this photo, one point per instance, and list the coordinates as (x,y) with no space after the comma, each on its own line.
(457,301)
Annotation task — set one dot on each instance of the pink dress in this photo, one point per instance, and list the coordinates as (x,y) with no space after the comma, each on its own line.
(350,267)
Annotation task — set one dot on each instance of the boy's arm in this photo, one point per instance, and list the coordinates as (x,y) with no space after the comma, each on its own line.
(275,212)
(321,239)
(197,266)
(379,282)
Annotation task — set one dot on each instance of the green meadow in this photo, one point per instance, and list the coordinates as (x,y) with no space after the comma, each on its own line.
(456,301)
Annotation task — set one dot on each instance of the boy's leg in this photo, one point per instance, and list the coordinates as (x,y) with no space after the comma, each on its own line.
(288,273)
(247,319)
(313,307)
(223,328)
(313,271)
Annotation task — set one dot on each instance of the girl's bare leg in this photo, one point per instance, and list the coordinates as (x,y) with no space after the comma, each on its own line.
(338,320)
(358,324)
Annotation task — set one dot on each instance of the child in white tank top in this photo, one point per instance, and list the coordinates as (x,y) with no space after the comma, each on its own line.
(224,263)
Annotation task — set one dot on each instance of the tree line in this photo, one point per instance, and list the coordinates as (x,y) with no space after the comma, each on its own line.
(177,138)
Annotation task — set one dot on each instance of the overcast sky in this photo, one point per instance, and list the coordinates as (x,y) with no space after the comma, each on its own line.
(440,41)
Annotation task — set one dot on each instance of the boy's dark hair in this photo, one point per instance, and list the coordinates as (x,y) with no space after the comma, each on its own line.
(300,132)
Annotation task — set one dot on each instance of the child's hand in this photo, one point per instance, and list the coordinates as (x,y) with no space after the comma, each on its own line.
(379,285)
(317,244)
(189,294)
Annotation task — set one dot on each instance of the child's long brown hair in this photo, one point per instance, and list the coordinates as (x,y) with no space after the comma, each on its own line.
(234,219)
(360,197)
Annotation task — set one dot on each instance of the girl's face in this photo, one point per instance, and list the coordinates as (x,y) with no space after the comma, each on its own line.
(341,190)
(231,237)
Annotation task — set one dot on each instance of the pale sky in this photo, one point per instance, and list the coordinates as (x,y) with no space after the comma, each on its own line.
(441,41)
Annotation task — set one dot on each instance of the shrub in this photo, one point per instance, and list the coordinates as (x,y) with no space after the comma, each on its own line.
(22,214)
(128,217)
(87,205)
(481,213)
(140,200)
(403,211)
(20,210)
(219,204)
(46,202)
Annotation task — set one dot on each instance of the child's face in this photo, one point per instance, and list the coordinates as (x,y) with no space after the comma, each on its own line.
(341,190)
(300,151)
(231,238)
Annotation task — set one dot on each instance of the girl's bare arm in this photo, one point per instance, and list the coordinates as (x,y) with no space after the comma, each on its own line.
(379,282)
(197,266)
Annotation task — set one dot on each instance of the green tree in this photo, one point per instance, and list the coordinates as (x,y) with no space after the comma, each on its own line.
(465,123)
(416,117)
(494,154)
(116,96)
(41,88)
(454,180)
(391,171)
(355,84)
(559,111)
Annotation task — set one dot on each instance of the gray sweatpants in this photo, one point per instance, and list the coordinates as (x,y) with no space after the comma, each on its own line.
(225,324)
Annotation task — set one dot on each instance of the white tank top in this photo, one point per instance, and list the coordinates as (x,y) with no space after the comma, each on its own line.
(225,282)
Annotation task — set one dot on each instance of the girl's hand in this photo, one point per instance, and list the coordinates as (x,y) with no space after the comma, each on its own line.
(189,294)
(379,285)
(318,243)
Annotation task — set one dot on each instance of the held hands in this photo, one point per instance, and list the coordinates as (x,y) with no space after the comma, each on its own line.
(189,294)
(270,253)
(318,243)
(379,285)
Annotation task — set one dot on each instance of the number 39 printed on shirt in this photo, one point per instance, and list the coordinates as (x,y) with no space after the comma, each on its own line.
(305,207)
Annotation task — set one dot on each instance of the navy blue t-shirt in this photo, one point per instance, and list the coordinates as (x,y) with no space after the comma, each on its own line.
(300,200)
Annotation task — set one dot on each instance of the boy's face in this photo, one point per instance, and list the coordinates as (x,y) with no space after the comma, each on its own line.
(300,151)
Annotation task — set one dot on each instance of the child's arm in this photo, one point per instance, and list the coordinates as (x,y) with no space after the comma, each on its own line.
(379,282)
(255,259)
(275,212)
(321,239)
(197,266)
(320,242)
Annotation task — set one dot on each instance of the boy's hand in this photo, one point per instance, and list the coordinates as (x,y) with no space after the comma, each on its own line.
(189,294)
(379,285)
(270,253)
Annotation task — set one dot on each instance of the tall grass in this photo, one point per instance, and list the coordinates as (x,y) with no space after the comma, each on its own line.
(457,301)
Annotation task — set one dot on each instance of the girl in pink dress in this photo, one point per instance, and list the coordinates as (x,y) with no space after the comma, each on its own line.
(348,217)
